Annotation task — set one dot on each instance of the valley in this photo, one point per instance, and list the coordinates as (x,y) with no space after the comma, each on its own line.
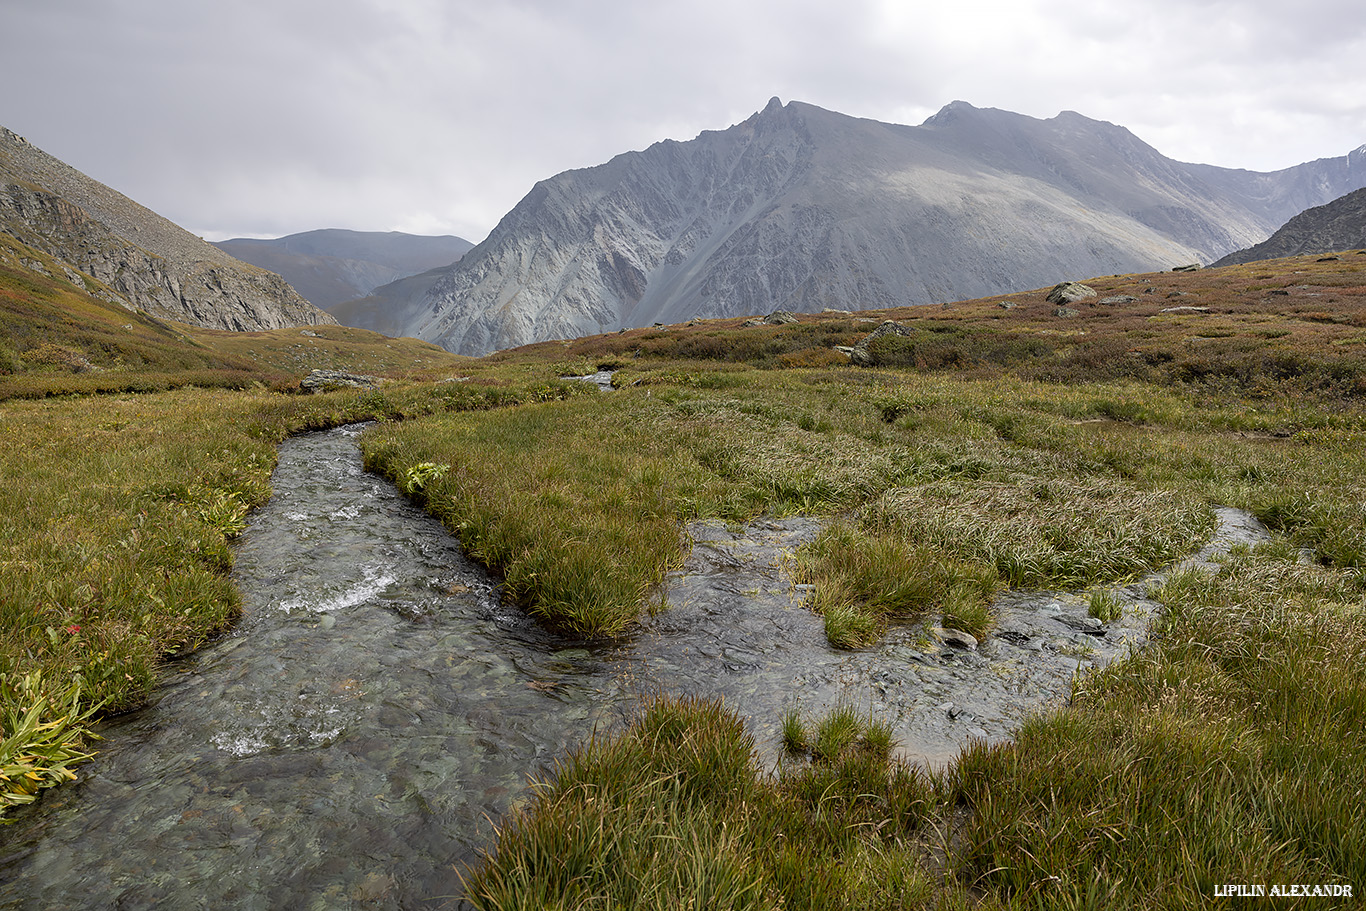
(990,449)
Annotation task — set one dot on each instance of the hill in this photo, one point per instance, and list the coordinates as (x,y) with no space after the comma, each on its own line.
(129,255)
(62,335)
(332,265)
(802,208)
(1339,225)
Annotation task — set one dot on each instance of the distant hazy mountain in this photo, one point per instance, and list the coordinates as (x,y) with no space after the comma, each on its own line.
(392,309)
(144,261)
(332,265)
(802,208)
(1339,225)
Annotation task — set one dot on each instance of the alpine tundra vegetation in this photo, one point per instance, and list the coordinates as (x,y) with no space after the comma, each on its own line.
(988,445)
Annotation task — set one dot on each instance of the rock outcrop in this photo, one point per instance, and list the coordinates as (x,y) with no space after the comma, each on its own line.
(799,208)
(142,260)
(862,353)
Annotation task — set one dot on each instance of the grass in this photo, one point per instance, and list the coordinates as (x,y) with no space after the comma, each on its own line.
(1231,751)
(675,813)
(1104,605)
(990,449)
(1225,749)
(116,518)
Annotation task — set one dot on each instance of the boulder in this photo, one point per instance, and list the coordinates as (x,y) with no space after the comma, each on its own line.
(327,380)
(860,354)
(1070,292)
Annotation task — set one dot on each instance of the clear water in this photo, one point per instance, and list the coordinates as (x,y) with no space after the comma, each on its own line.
(377,708)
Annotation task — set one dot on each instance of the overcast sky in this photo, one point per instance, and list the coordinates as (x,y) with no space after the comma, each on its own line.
(268,117)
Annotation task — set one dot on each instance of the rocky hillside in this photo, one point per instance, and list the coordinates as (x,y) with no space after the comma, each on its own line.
(801,208)
(1339,225)
(135,257)
(332,265)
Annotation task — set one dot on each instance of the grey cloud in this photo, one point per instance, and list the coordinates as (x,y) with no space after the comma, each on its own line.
(272,116)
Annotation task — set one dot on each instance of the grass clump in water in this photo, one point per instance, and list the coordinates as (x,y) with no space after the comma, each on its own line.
(649,819)
(1104,606)
(865,580)
(674,813)
(41,736)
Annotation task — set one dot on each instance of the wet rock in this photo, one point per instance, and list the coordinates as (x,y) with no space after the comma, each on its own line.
(1014,637)
(1091,626)
(956,638)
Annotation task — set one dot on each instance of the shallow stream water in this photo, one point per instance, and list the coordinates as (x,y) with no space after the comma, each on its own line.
(349,744)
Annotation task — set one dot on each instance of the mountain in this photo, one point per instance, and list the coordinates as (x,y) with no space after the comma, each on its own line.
(332,265)
(132,256)
(1338,225)
(802,208)
(393,308)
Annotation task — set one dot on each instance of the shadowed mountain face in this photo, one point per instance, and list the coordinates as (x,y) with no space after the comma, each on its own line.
(394,308)
(1339,225)
(802,208)
(135,257)
(333,266)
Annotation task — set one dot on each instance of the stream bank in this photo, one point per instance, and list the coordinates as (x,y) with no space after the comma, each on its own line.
(350,742)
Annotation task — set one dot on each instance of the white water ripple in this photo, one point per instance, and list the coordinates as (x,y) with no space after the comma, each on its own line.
(373,584)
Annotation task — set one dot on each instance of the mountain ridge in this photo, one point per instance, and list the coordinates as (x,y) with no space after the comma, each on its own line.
(1329,228)
(801,208)
(331,266)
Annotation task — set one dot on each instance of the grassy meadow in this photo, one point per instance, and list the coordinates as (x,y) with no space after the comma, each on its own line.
(998,445)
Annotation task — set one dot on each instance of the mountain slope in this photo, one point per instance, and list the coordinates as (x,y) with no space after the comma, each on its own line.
(1338,225)
(802,208)
(143,260)
(392,308)
(332,265)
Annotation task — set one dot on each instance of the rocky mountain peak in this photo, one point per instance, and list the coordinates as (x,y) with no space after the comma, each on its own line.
(800,208)
(949,114)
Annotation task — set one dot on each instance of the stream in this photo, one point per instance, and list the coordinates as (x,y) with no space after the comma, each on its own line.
(353,739)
